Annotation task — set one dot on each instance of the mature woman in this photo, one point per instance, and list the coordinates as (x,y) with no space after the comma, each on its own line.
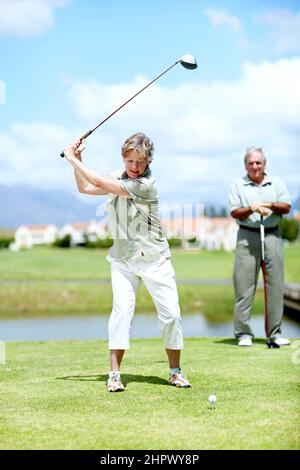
(140,252)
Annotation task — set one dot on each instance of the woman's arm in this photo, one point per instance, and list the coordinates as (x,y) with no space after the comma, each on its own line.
(84,186)
(97,184)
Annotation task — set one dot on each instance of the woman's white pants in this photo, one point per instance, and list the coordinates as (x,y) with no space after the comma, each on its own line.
(158,275)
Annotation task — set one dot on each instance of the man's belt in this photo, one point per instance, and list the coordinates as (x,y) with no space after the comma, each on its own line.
(254,229)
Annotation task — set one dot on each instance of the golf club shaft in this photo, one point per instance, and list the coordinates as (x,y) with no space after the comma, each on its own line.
(263,266)
(88,133)
(264,271)
(262,238)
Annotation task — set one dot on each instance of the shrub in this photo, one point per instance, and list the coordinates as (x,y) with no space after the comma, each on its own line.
(100,243)
(6,241)
(289,229)
(174,242)
(64,242)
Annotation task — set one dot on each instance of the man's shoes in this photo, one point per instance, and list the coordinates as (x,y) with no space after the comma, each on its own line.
(245,342)
(282,341)
(179,380)
(277,343)
(114,384)
(272,345)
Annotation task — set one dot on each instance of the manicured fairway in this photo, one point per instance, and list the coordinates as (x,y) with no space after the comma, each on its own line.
(46,263)
(53,397)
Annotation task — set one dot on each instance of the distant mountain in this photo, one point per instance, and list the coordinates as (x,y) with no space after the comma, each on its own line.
(27,205)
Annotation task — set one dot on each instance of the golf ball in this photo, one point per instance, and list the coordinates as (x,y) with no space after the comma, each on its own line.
(212,399)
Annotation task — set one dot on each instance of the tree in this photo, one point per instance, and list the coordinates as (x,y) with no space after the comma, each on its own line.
(64,242)
(289,229)
(216,211)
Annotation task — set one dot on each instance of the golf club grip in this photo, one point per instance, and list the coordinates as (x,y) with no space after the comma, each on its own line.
(84,136)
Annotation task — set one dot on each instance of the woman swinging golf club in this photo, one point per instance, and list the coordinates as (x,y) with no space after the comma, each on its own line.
(140,251)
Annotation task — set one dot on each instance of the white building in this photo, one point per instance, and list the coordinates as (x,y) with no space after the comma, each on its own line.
(39,234)
(79,231)
(219,233)
(211,233)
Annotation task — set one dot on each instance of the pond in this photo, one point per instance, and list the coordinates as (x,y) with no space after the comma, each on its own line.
(144,326)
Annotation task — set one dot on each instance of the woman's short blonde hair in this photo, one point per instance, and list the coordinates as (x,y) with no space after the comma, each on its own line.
(141,144)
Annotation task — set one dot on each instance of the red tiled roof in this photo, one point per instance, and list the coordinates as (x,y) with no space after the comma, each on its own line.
(33,227)
(80,225)
(84,225)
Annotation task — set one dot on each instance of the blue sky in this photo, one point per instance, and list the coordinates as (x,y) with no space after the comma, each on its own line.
(66,64)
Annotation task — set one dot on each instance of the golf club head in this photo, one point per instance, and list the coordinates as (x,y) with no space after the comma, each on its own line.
(188,61)
(272,345)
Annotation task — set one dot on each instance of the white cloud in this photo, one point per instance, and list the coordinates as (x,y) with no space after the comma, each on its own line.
(29,154)
(284,29)
(25,18)
(201,126)
(200,131)
(220,18)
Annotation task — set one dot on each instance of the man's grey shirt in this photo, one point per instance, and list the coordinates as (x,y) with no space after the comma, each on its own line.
(244,192)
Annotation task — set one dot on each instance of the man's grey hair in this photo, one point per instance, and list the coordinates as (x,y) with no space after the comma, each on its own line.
(251,150)
(141,144)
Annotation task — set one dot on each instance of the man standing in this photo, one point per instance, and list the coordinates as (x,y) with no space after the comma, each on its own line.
(251,197)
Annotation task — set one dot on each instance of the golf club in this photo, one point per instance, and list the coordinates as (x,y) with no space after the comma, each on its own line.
(271,344)
(187,61)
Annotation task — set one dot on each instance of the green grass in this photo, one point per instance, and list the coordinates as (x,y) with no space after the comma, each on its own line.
(203,264)
(44,300)
(53,397)
(46,263)
(43,263)
(292,262)
(47,295)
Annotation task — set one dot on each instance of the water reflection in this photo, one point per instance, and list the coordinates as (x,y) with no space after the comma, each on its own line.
(144,326)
